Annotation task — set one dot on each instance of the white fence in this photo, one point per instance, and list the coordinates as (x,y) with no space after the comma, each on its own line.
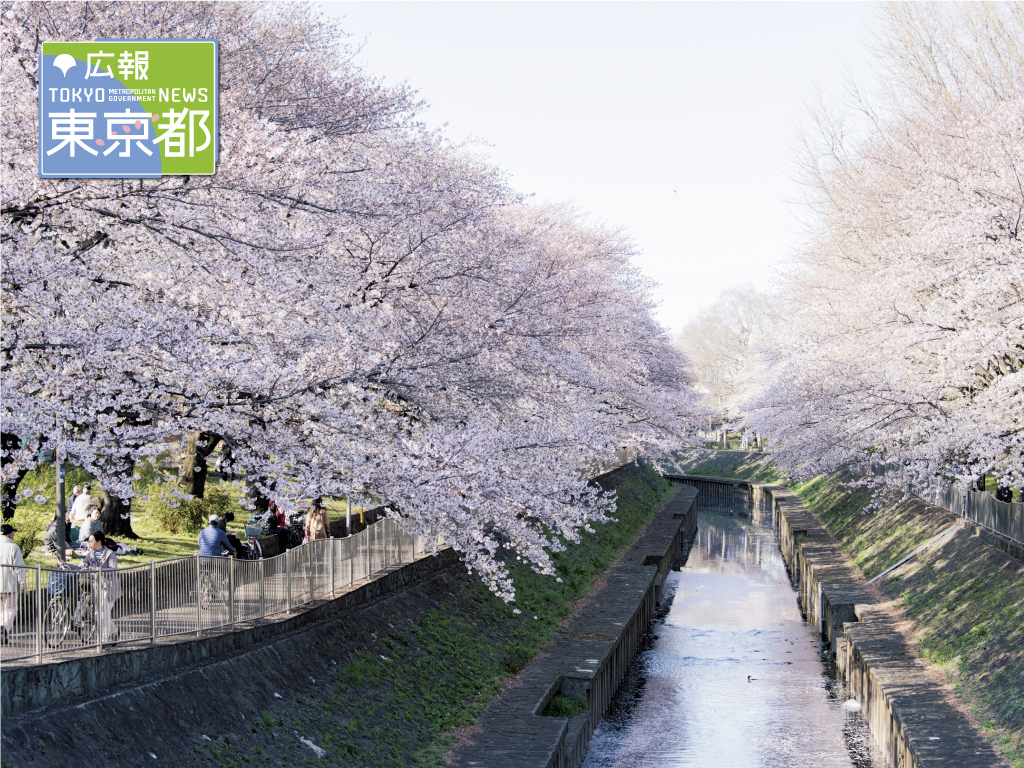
(61,611)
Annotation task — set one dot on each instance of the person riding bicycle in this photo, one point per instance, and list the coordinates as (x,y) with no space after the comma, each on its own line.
(212,540)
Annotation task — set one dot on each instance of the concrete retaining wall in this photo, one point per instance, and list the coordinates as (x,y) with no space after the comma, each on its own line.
(32,686)
(588,658)
(908,715)
(999,541)
(714,492)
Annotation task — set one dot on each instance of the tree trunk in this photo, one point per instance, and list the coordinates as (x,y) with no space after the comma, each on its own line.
(116,513)
(9,498)
(192,478)
(261,502)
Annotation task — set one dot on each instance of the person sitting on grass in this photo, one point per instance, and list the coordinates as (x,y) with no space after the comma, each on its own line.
(90,526)
(50,540)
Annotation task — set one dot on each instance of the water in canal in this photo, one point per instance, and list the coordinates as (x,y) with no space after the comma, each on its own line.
(732,677)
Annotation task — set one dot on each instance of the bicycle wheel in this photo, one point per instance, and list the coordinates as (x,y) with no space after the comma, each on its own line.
(87,631)
(85,619)
(56,622)
(207,591)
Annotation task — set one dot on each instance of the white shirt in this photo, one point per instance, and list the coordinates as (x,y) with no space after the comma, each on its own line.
(80,509)
(11,579)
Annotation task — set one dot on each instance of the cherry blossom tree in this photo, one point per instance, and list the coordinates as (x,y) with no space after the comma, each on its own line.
(903,339)
(351,305)
(723,345)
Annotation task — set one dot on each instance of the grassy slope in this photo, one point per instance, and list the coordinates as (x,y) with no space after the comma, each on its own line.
(407,677)
(746,466)
(966,600)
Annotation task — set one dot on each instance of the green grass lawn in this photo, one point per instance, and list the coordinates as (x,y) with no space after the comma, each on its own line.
(155,542)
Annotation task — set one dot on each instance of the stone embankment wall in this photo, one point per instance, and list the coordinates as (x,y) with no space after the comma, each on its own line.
(589,656)
(379,684)
(32,686)
(909,717)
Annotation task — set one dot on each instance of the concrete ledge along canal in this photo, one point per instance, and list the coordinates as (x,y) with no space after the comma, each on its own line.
(737,671)
(703,646)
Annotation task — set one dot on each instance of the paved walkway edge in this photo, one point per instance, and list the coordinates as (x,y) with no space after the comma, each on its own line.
(588,659)
(29,687)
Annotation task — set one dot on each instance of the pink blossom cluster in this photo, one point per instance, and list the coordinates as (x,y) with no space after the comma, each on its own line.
(354,304)
(901,325)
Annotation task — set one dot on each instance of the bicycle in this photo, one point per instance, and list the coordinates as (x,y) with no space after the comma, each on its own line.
(254,551)
(211,584)
(59,618)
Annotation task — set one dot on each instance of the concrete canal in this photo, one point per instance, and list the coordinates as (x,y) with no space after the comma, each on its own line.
(731,676)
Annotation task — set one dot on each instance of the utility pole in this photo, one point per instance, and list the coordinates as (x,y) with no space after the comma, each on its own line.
(61,511)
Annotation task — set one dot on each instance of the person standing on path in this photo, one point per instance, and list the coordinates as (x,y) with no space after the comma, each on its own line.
(317,524)
(12,579)
(102,558)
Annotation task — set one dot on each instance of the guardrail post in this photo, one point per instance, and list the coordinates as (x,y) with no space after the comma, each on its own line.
(231,590)
(263,591)
(99,612)
(199,608)
(330,564)
(287,581)
(152,603)
(309,562)
(39,615)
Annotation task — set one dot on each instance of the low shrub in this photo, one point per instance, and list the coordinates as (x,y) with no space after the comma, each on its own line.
(27,538)
(192,514)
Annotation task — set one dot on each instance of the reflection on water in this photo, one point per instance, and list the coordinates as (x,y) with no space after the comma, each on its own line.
(732,676)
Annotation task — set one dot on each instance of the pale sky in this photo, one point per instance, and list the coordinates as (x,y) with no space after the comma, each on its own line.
(671,120)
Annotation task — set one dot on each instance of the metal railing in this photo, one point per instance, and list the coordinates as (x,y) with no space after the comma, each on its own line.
(48,611)
(980,507)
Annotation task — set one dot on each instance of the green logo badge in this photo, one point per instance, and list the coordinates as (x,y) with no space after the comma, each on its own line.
(128,108)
